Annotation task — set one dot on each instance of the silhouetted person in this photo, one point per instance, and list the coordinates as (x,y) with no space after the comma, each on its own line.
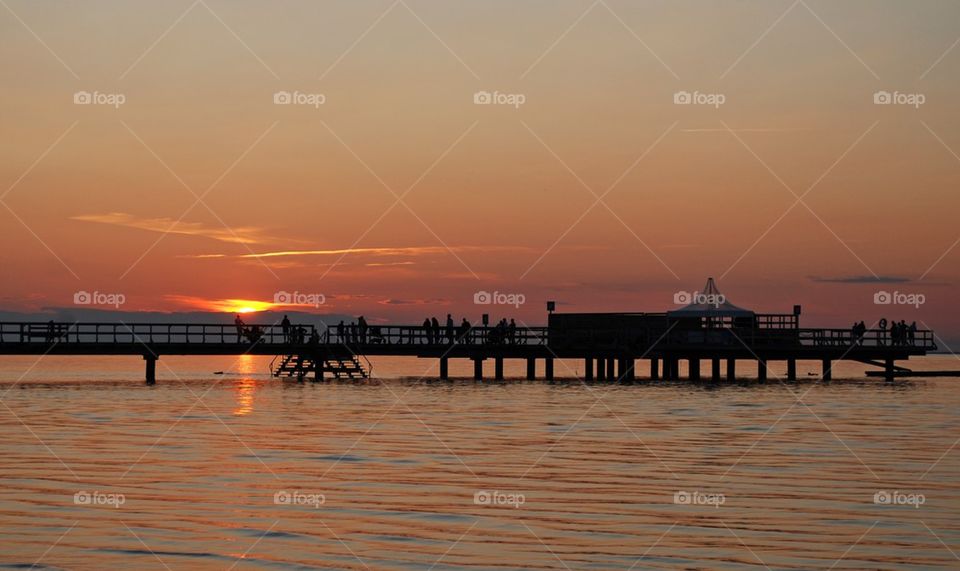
(239,323)
(285,326)
(340,331)
(512,331)
(362,329)
(464,330)
(435,325)
(912,333)
(449,329)
(426,330)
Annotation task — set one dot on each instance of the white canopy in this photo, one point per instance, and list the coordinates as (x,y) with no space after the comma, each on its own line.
(710,303)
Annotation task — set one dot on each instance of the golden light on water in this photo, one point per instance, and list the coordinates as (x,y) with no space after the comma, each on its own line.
(245,388)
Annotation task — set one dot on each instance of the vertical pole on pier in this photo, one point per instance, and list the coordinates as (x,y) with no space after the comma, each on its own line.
(588,369)
(601,369)
(715,369)
(673,366)
(791,369)
(477,369)
(827,370)
(318,369)
(611,369)
(531,369)
(548,368)
(629,369)
(888,370)
(444,368)
(151,373)
(762,369)
(731,369)
(694,369)
(498,368)
(654,369)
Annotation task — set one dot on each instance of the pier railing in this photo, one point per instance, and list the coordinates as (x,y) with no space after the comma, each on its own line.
(193,333)
(418,335)
(753,337)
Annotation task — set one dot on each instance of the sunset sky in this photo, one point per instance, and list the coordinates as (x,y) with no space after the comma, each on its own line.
(396,196)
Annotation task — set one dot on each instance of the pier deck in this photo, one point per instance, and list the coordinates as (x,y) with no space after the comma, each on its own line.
(606,353)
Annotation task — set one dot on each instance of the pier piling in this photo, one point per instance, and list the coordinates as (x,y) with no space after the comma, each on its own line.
(444,368)
(151,372)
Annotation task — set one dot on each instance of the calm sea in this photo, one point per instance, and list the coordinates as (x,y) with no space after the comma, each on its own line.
(239,470)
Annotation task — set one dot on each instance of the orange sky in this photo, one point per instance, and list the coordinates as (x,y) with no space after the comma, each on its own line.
(303,198)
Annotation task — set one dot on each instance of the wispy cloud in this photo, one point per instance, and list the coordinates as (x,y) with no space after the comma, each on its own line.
(235,235)
(383,264)
(860,279)
(748,130)
(379,251)
(394,301)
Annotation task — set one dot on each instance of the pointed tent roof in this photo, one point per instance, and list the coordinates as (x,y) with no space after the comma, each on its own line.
(710,303)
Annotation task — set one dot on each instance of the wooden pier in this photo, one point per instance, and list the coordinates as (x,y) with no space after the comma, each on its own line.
(610,346)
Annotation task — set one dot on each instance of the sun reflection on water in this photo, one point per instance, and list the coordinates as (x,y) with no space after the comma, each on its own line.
(246,387)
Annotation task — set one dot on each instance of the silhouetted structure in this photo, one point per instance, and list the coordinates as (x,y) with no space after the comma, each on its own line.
(608,344)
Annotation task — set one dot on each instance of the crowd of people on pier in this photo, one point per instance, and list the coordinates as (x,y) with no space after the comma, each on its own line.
(898,333)
(431,333)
